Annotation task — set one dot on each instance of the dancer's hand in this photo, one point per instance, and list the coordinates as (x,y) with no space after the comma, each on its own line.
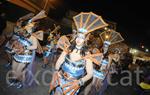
(74,85)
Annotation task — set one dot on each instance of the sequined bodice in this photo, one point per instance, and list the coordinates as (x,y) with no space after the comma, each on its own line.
(24,41)
(75,69)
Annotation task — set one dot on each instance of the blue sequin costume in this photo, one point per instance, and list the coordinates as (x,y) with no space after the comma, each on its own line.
(74,70)
(28,55)
(8,47)
(47,52)
(102,74)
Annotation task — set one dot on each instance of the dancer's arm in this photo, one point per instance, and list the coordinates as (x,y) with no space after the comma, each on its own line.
(60,60)
(109,61)
(89,70)
(34,43)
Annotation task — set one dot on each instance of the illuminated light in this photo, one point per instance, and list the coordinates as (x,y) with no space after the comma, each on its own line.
(105,28)
(146,50)
(106,36)
(109,30)
(142,46)
(133,51)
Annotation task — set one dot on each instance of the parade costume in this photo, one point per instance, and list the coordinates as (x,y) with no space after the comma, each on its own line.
(68,79)
(18,30)
(51,42)
(24,48)
(9,51)
(70,71)
(47,53)
(50,48)
(28,54)
(8,47)
(103,73)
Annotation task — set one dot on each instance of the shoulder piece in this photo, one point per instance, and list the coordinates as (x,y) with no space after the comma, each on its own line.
(95,57)
(63,43)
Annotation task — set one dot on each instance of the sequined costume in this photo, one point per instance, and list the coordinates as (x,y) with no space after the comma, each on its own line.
(28,55)
(70,75)
(102,74)
(8,46)
(48,52)
(108,37)
(70,71)
(74,69)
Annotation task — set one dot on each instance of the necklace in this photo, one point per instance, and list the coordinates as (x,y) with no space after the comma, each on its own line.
(78,48)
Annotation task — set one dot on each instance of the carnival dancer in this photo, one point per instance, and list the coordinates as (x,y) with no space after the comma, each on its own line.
(102,74)
(8,46)
(24,48)
(55,48)
(115,67)
(18,30)
(74,67)
(49,48)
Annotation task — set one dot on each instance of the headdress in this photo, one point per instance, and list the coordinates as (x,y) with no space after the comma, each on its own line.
(54,31)
(40,15)
(87,22)
(31,24)
(26,17)
(110,36)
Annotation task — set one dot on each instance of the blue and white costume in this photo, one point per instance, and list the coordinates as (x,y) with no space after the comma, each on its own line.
(28,55)
(48,52)
(101,73)
(74,69)
(71,71)
(8,46)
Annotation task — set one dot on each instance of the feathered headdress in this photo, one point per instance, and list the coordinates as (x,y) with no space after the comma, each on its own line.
(40,15)
(54,31)
(26,17)
(87,22)
(110,36)
(31,23)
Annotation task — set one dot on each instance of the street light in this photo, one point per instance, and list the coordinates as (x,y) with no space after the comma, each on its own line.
(142,46)
(133,51)
(146,50)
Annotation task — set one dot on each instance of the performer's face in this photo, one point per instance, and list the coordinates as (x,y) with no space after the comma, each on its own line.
(80,39)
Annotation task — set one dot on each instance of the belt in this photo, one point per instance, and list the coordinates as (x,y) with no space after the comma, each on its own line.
(66,75)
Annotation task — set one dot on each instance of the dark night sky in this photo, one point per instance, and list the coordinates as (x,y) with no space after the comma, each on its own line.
(132,18)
